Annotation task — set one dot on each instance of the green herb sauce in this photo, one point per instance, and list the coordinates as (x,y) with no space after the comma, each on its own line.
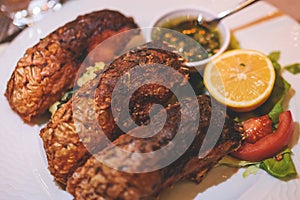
(209,38)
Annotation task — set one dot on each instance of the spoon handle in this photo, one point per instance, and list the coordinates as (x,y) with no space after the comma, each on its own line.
(228,12)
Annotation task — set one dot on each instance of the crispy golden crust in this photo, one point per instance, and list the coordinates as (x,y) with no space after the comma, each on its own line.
(64,148)
(49,68)
(95,180)
(87,118)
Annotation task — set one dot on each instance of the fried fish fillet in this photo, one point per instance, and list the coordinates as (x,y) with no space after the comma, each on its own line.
(48,69)
(112,174)
(86,124)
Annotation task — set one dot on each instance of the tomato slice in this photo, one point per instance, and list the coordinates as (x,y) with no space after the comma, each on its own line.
(270,144)
(257,128)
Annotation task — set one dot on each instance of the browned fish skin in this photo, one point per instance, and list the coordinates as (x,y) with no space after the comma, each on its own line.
(49,68)
(62,142)
(94,180)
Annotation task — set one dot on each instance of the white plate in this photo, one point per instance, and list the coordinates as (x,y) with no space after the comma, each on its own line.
(23,167)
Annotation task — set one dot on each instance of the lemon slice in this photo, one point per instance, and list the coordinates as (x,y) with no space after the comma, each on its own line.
(241,79)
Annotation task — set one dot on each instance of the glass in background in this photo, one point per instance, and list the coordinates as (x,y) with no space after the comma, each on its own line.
(26,12)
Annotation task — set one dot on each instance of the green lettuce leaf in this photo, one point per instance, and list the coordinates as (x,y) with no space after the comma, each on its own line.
(281,168)
(274,56)
(282,87)
(233,162)
(293,68)
(253,169)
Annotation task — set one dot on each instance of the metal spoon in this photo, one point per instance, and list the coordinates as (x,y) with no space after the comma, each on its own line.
(201,20)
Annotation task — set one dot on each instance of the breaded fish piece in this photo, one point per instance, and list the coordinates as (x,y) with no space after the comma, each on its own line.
(48,69)
(98,180)
(85,124)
